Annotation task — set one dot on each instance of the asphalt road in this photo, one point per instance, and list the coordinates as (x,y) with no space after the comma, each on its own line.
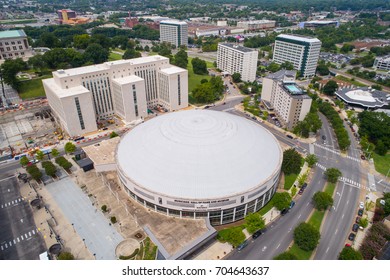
(19,237)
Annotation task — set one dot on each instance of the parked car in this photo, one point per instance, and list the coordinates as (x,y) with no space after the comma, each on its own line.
(357,219)
(242,245)
(351,236)
(347,245)
(292,203)
(360,212)
(290,136)
(362,157)
(361,205)
(284,211)
(323,137)
(301,191)
(355,227)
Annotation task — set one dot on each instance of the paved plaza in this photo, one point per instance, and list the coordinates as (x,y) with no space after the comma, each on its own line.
(99,236)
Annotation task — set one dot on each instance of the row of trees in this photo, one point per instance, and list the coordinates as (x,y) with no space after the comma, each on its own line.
(337,124)
(292,162)
(375,126)
(311,123)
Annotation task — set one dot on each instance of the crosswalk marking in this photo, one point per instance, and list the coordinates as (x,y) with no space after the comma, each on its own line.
(27,236)
(33,231)
(351,182)
(17,238)
(2,248)
(321,166)
(22,237)
(13,202)
(328,149)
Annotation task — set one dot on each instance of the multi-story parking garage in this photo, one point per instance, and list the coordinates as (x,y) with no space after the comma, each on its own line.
(200,163)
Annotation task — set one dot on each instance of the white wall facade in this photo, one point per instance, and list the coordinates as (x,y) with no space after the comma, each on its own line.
(237,59)
(97,82)
(174,32)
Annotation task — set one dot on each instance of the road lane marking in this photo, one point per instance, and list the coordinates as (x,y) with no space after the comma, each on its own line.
(347,201)
(341,194)
(299,216)
(265,248)
(342,217)
(327,250)
(336,231)
(278,246)
(2,248)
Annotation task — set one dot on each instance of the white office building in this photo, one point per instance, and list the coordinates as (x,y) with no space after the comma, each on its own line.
(233,58)
(289,102)
(303,52)
(79,97)
(174,32)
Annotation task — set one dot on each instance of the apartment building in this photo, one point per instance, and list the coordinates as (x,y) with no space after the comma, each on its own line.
(79,97)
(254,25)
(174,32)
(289,102)
(233,58)
(303,52)
(14,44)
(382,63)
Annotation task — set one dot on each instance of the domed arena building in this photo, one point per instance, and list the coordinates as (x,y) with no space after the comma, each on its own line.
(200,164)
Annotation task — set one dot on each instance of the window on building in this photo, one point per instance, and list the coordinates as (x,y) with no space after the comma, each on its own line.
(81,120)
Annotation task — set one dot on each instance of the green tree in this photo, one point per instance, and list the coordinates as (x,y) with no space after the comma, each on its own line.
(254,222)
(347,48)
(311,160)
(131,53)
(381,148)
(330,88)
(81,41)
(236,77)
(291,162)
(273,67)
(50,168)
(181,59)
(70,148)
(199,66)
(332,175)
(306,236)
(234,236)
(35,173)
(281,200)
(349,253)
(322,200)
(322,69)
(24,161)
(65,256)
(39,155)
(364,222)
(10,68)
(113,134)
(55,152)
(37,62)
(286,256)
(203,93)
(96,54)
(287,65)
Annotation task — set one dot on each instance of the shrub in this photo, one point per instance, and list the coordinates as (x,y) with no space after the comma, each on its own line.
(349,253)
(65,256)
(286,256)
(113,219)
(233,235)
(104,208)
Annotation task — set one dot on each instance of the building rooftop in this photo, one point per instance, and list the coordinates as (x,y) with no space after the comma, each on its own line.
(384,58)
(199,154)
(365,97)
(172,21)
(103,152)
(279,75)
(128,79)
(173,70)
(238,47)
(300,38)
(62,92)
(12,34)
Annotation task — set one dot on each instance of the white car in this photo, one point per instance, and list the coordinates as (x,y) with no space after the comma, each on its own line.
(361,205)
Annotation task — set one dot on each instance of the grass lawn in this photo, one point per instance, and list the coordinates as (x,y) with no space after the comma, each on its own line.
(301,254)
(330,188)
(194,79)
(289,180)
(114,56)
(382,163)
(345,79)
(267,207)
(32,88)
(316,219)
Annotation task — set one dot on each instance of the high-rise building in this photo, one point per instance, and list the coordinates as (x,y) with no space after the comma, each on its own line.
(174,32)
(233,58)
(14,44)
(303,52)
(289,102)
(81,96)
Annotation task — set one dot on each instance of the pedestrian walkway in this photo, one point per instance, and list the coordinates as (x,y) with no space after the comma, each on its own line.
(321,166)
(28,236)
(97,233)
(328,149)
(351,182)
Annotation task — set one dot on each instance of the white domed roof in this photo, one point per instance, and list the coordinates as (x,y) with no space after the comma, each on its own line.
(199,154)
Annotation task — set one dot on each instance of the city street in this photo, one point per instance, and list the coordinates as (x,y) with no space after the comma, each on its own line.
(20,238)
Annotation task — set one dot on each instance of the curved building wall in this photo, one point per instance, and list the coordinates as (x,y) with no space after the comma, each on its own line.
(221,210)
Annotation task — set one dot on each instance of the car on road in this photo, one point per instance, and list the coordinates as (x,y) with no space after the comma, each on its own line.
(292,203)
(323,137)
(259,232)
(284,211)
(290,136)
(355,227)
(242,245)
(351,236)
(360,212)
